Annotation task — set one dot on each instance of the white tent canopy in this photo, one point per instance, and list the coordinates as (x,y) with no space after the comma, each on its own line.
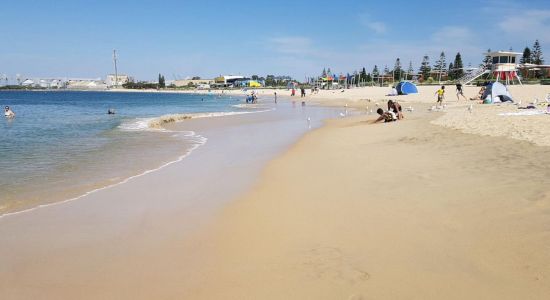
(499,92)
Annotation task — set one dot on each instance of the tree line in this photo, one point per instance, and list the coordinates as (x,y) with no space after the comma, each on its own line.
(453,70)
(440,70)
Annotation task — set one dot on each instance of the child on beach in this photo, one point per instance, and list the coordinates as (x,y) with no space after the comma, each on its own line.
(388,116)
(459,92)
(396,108)
(440,95)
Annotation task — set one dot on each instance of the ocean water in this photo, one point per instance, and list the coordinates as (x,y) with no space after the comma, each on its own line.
(63,143)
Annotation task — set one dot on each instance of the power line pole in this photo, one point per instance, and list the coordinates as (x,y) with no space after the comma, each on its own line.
(116,70)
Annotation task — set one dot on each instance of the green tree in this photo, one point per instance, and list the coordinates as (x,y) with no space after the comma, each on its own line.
(451,72)
(536,56)
(162,82)
(440,65)
(425,67)
(255,77)
(270,80)
(410,70)
(375,72)
(458,67)
(487,62)
(397,69)
(526,57)
(363,75)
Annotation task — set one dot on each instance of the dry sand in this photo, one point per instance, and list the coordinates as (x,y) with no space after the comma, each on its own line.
(398,211)
(407,210)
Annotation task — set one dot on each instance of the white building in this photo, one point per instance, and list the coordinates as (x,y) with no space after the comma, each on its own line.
(192,82)
(228,79)
(118,80)
(86,84)
(28,82)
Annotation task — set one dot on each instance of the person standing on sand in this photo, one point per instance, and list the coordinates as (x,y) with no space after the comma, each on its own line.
(302,92)
(275,94)
(459,92)
(440,95)
(293,92)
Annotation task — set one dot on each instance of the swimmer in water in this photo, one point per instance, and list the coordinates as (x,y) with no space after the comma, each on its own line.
(8,113)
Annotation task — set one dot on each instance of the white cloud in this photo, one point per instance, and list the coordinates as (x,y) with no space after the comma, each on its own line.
(453,34)
(449,39)
(375,26)
(529,24)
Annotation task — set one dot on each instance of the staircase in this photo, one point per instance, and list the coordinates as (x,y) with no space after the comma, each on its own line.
(473,75)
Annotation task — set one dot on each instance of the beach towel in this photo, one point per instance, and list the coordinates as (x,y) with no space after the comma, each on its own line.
(524,113)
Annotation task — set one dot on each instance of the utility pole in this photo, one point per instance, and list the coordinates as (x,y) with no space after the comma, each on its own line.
(116,70)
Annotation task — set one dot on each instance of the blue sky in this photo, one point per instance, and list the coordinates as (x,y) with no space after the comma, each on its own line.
(299,38)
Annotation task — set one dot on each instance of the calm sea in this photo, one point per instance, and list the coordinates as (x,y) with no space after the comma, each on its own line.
(63,143)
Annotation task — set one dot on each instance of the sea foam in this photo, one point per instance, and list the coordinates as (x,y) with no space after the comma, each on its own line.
(156,124)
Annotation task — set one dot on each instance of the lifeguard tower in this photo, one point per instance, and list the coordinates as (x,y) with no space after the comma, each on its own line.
(503,67)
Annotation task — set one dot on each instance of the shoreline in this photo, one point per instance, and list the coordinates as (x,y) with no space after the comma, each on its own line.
(123,181)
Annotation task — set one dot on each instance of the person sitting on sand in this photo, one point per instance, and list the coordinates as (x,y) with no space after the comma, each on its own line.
(440,95)
(480,94)
(393,92)
(396,108)
(388,116)
(8,113)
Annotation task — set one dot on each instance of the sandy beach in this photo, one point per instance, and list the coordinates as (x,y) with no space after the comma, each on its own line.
(442,205)
(400,211)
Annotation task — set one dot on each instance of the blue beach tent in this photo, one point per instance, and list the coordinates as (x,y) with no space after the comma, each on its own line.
(405,88)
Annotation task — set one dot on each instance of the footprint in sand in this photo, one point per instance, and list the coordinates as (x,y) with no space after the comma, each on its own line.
(540,198)
(357,297)
(329,263)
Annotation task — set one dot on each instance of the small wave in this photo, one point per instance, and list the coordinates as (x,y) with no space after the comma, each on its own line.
(136,125)
(249,106)
(156,124)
